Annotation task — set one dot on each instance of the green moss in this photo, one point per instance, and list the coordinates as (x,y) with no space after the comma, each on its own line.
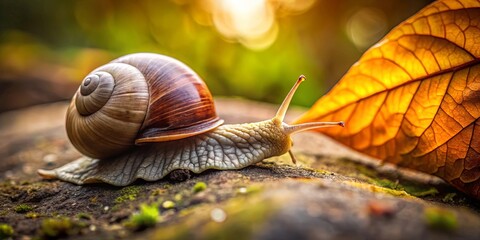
(386,183)
(367,171)
(241,220)
(374,188)
(449,197)
(148,216)
(243,217)
(412,189)
(127,194)
(6,231)
(23,208)
(199,186)
(420,190)
(58,227)
(393,192)
(440,219)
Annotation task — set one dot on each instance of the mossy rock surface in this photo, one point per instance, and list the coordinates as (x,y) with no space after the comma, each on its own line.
(331,193)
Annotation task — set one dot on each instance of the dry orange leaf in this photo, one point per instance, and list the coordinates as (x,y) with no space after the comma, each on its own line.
(413,99)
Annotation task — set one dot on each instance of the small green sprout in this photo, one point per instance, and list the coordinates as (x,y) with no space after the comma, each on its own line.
(6,231)
(449,197)
(199,186)
(148,216)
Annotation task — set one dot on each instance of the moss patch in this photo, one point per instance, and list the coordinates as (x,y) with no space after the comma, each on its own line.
(440,219)
(59,227)
(6,231)
(420,191)
(239,217)
(199,186)
(127,194)
(148,216)
(449,197)
(374,188)
(414,189)
(23,208)
(241,220)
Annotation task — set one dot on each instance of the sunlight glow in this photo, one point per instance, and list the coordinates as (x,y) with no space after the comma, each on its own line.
(366,26)
(248,21)
(253,23)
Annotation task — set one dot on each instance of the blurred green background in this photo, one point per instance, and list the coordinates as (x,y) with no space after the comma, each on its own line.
(254,49)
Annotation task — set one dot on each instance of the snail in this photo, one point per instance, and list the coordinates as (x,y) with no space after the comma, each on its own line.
(144,115)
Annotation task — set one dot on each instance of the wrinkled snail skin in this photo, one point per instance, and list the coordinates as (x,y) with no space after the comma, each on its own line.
(227,147)
(145,115)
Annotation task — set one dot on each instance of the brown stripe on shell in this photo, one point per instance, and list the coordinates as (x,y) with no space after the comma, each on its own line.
(180,103)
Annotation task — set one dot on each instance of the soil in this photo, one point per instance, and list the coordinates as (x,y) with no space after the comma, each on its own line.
(330,193)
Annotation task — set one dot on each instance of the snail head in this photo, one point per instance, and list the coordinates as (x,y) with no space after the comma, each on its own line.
(290,129)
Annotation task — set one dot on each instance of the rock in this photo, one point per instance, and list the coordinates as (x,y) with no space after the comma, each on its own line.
(331,193)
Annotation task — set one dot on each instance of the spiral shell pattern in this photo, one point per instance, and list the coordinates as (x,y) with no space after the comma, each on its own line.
(108,110)
(94,92)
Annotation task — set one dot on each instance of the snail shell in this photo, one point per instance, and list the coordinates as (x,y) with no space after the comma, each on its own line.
(138,98)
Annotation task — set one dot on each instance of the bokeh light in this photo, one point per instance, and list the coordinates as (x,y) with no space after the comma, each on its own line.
(248,21)
(366,26)
(253,23)
(254,49)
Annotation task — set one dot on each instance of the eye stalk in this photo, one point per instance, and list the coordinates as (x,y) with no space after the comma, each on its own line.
(282,110)
(294,128)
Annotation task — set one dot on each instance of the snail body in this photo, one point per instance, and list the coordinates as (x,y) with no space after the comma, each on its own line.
(154,115)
